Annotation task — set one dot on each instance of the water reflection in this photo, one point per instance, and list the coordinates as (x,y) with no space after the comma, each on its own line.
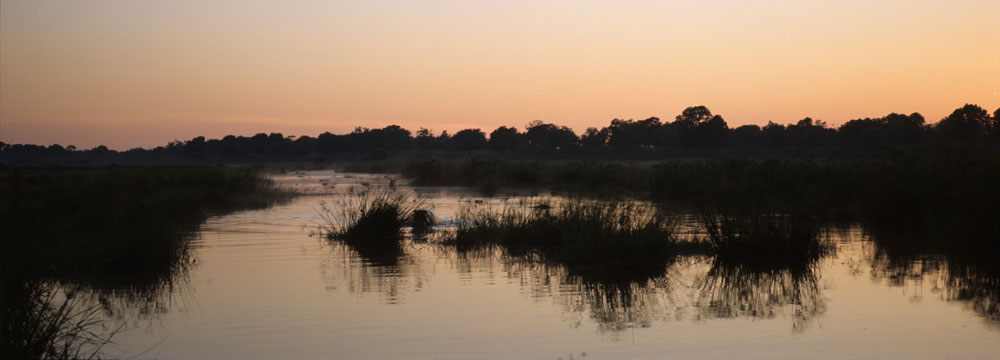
(737,291)
(969,275)
(389,273)
(77,317)
(614,304)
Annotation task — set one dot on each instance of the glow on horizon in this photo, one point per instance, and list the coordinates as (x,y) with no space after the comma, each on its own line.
(140,74)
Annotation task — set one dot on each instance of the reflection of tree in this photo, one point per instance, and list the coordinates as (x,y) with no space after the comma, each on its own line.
(735,291)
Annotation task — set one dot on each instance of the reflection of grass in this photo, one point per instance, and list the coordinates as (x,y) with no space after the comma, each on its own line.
(371,220)
(734,290)
(590,237)
(121,231)
(101,225)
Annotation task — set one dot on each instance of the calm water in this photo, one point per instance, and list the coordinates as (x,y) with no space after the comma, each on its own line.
(264,286)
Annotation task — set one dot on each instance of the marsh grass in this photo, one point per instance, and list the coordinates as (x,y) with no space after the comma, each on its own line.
(119,232)
(763,241)
(371,218)
(114,226)
(40,321)
(948,188)
(595,238)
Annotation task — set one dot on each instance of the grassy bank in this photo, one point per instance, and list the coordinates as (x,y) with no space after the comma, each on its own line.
(115,230)
(86,224)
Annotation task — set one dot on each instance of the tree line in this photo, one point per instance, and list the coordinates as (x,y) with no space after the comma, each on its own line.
(696,131)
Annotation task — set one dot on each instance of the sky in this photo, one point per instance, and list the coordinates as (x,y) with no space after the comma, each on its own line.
(143,73)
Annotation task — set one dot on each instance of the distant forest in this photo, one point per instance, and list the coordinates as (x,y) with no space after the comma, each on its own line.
(696,132)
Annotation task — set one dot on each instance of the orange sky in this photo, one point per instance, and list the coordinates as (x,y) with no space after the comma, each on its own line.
(143,73)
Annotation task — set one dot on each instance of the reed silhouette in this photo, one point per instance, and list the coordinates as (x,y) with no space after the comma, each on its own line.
(592,238)
(371,219)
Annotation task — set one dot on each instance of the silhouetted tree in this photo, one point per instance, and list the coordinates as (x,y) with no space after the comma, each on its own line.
(774,134)
(902,129)
(693,116)
(747,136)
(469,140)
(712,133)
(994,128)
(426,140)
(195,147)
(965,124)
(444,138)
(505,139)
(549,137)
(697,127)
(631,136)
(594,140)
(809,133)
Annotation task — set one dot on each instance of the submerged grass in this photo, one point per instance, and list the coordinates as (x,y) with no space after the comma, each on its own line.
(595,238)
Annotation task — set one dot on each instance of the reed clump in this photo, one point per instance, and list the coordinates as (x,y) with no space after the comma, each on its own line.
(591,237)
(765,240)
(371,218)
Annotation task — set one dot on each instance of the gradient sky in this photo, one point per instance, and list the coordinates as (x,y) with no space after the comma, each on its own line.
(142,73)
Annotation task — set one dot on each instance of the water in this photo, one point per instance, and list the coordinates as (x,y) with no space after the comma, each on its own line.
(263,286)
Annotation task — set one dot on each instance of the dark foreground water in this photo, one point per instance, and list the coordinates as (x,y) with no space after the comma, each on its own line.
(263,286)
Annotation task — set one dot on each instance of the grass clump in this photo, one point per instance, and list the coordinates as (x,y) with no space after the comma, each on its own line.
(598,238)
(761,240)
(371,219)
(41,322)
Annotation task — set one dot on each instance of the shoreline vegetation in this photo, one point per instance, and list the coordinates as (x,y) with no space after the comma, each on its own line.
(924,194)
(121,232)
(950,193)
